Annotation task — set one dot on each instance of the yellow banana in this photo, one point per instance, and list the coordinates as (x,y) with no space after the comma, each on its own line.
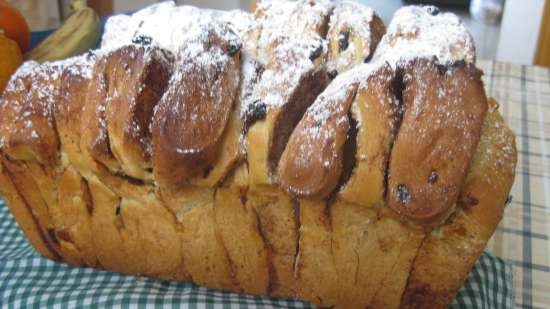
(79,33)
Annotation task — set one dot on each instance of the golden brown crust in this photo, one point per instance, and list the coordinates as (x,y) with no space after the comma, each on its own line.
(94,141)
(239,229)
(444,108)
(24,216)
(451,250)
(153,232)
(27,188)
(74,215)
(279,229)
(67,111)
(289,85)
(373,252)
(12,101)
(33,136)
(314,267)
(135,85)
(189,121)
(376,109)
(108,244)
(311,164)
(231,154)
(204,253)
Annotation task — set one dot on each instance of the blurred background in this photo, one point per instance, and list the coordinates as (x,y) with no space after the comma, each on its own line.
(514,31)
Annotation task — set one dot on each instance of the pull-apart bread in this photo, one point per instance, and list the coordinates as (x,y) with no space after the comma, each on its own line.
(303,150)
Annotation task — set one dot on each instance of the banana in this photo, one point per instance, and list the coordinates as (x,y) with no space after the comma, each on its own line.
(79,33)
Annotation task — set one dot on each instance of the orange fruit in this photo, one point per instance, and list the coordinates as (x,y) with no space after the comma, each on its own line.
(10,59)
(14,25)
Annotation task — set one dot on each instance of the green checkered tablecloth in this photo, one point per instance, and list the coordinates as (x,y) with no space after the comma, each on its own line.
(522,238)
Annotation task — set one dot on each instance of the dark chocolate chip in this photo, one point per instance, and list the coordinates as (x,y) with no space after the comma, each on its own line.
(433,10)
(508,200)
(433,177)
(332,74)
(316,52)
(234,47)
(403,194)
(343,40)
(117,211)
(142,39)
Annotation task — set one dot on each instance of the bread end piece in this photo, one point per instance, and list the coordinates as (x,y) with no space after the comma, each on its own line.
(450,251)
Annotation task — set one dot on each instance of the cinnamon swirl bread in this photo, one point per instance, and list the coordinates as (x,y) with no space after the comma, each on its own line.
(302,151)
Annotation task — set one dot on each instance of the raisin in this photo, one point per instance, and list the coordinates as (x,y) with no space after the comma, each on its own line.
(343,40)
(234,47)
(433,177)
(142,39)
(256,111)
(316,52)
(332,74)
(433,10)
(403,194)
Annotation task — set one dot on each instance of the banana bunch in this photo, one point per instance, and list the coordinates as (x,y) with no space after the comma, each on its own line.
(79,33)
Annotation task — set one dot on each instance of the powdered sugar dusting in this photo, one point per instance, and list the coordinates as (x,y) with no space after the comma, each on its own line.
(282,21)
(352,14)
(169,25)
(251,71)
(424,32)
(349,15)
(329,102)
(287,64)
(245,26)
(198,54)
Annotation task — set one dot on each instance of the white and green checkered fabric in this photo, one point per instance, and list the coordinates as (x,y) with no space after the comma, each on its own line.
(29,280)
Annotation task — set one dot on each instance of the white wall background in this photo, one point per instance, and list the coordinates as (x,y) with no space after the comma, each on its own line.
(520,31)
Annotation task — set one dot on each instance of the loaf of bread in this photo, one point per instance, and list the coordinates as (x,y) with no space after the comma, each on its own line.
(302,151)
